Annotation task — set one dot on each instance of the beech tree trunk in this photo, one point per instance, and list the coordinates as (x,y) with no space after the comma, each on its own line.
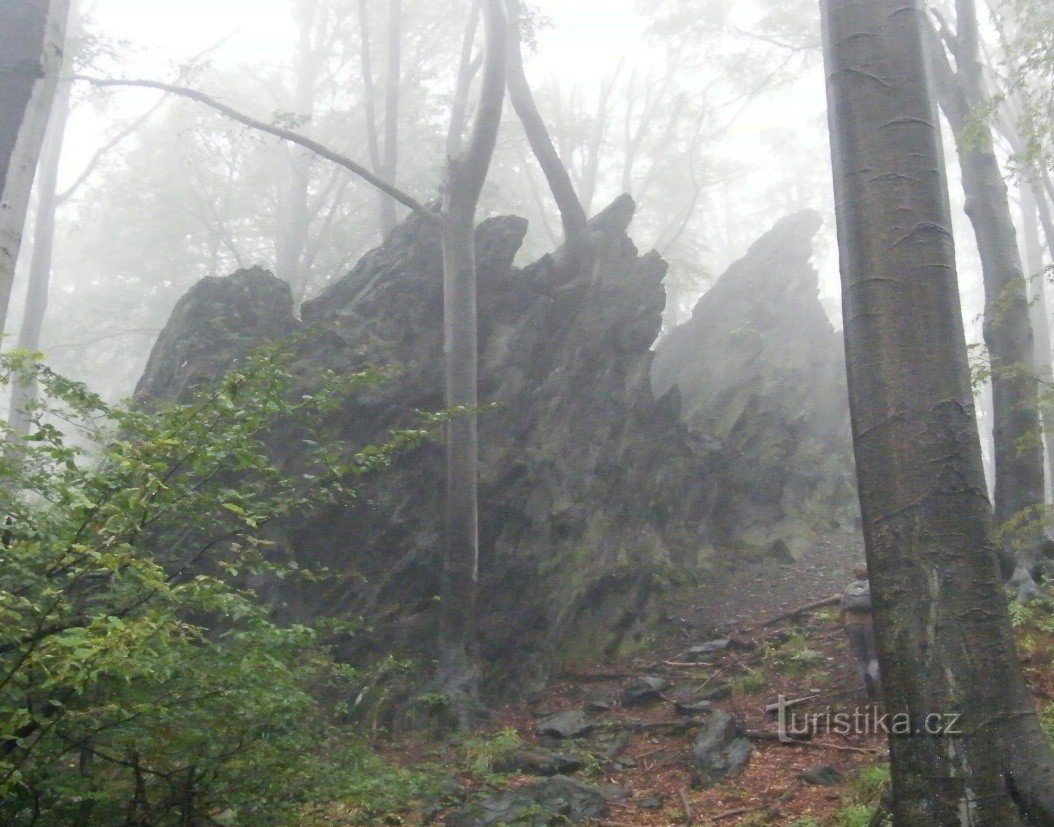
(294,219)
(32,39)
(384,158)
(1036,275)
(1007,328)
(944,635)
(39,283)
(466,174)
(572,213)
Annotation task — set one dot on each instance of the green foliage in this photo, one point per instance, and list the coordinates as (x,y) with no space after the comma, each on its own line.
(749,684)
(141,679)
(481,752)
(794,656)
(866,787)
(1046,720)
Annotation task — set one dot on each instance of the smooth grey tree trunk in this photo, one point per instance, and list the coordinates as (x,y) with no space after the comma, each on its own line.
(384,157)
(572,213)
(466,173)
(39,281)
(1007,329)
(1036,274)
(294,213)
(944,634)
(32,40)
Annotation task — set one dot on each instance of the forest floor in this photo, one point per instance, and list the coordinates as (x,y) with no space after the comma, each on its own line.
(640,755)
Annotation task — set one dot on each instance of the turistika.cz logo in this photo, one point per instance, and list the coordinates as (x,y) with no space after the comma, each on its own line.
(793,725)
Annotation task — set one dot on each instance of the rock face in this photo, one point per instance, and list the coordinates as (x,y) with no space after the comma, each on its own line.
(760,368)
(594,494)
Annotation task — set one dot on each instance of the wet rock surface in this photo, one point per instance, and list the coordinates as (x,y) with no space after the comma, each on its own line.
(760,368)
(556,800)
(594,494)
(720,750)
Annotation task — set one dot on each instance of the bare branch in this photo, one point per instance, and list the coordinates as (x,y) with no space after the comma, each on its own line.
(279,132)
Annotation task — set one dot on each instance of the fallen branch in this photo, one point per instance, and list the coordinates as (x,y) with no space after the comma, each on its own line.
(739,811)
(833,600)
(774,737)
(689,819)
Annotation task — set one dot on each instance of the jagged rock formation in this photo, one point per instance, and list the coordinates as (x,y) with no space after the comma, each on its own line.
(760,368)
(594,494)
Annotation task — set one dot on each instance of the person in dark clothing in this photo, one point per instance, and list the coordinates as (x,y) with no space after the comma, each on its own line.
(859,626)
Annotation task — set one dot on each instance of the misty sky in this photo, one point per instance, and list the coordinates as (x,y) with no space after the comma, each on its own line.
(585,32)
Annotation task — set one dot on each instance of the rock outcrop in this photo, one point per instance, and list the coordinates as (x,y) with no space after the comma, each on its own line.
(760,368)
(594,494)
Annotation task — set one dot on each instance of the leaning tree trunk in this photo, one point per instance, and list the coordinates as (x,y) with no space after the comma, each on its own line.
(466,174)
(572,213)
(1007,328)
(32,39)
(944,635)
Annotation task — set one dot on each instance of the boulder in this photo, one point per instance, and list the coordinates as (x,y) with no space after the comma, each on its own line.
(760,368)
(644,690)
(823,775)
(531,760)
(571,724)
(553,801)
(720,750)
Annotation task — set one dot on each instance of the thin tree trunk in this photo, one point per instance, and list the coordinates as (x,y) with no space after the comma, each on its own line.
(944,636)
(384,160)
(23,393)
(33,37)
(1036,274)
(466,174)
(572,213)
(391,111)
(459,107)
(294,220)
(1007,328)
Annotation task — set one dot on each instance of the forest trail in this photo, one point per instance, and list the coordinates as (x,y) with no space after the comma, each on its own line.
(638,720)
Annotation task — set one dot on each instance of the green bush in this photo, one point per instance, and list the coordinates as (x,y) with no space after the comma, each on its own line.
(141,679)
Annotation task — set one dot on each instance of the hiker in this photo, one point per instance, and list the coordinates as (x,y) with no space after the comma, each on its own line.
(860,627)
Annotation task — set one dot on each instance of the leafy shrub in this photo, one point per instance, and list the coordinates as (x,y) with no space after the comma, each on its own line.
(141,679)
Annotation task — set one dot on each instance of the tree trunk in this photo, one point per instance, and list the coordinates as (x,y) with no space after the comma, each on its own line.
(384,161)
(1036,274)
(1007,328)
(572,213)
(389,219)
(944,635)
(23,393)
(466,174)
(294,219)
(33,34)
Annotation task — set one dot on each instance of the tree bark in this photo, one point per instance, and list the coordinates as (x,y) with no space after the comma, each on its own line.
(466,174)
(294,219)
(39,282)
(1036,274)
(1007,329)
(572,213)
(33,34)
(391,111)
(384,158)
(944,635)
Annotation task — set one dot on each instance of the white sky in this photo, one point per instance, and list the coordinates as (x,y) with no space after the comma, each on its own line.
(586,33)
